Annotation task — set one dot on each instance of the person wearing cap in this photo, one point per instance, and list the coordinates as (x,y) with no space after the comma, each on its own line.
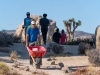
(32,37)
(27,21)
(44,23)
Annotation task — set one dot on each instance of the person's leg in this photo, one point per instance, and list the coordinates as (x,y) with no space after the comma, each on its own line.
(46,30)
(43,34)
(31,61)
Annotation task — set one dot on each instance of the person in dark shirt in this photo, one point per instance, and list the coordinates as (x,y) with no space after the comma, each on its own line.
(44,23)
(56,36)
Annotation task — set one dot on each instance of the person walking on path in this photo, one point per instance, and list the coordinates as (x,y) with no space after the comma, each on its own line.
(44,23)
(27,22)
(33,37)
(63,38)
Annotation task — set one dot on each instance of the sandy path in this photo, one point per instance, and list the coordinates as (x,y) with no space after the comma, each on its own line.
(46,67)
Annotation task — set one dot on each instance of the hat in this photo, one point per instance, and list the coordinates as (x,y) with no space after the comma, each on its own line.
(33,22)
(28,13)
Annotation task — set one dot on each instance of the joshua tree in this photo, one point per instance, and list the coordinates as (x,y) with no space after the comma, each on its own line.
(68,24)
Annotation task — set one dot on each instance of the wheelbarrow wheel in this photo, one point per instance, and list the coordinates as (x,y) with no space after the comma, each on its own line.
(37,66)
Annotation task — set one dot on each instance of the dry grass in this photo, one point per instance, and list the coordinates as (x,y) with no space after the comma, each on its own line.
(39,73)
(14,54)
(86,71)
(5,70)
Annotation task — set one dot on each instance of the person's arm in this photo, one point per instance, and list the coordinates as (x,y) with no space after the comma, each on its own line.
(24,24)
(39,39)
(59,37)
(38,36)
(27,37)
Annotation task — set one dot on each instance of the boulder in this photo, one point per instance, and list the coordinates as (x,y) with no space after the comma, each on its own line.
(20,31)
(97,37)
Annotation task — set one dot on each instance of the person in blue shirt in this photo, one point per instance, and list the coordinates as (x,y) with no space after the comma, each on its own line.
(27,21)
(32,36)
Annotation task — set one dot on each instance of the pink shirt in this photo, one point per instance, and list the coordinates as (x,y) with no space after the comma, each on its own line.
(63,38)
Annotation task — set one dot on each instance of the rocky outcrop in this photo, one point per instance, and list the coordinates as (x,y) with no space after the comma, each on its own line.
(97,37)
(20,32)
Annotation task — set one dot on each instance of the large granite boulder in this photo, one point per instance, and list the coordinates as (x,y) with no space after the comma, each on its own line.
(97,37)
(20,31)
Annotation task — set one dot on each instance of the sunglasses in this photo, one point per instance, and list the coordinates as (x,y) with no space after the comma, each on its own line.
(33,24)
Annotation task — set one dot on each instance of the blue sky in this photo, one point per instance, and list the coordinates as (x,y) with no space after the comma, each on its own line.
(12,12)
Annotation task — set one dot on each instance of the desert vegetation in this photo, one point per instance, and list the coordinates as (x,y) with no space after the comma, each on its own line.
(69,24)
(6,70)
(8,39)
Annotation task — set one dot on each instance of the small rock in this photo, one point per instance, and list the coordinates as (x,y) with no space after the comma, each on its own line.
(15,66)
(61,65)
(49,59)
(65,69)
(26,68)
(34,73)
(53,58)
(52,63)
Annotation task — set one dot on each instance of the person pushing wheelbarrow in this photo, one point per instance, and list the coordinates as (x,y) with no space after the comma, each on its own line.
(33,45)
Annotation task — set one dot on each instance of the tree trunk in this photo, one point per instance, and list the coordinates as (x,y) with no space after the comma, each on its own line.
(73,35)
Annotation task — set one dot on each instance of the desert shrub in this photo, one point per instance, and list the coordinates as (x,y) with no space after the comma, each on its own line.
(83,48)
(94,57)
(5,39)
(56,48)
(78,41)
(85,71)
(8,39)
(4,69)
(14,54)
(16,39)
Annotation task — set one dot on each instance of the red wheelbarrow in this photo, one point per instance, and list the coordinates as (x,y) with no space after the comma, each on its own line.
(36,53)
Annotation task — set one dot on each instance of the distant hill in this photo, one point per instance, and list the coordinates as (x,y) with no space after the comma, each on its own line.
(10,31)
(82,34)
(77,34)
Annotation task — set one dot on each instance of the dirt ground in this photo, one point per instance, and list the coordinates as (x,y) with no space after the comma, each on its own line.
(73,60)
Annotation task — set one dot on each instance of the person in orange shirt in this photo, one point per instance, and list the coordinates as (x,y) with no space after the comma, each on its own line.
(63,38)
